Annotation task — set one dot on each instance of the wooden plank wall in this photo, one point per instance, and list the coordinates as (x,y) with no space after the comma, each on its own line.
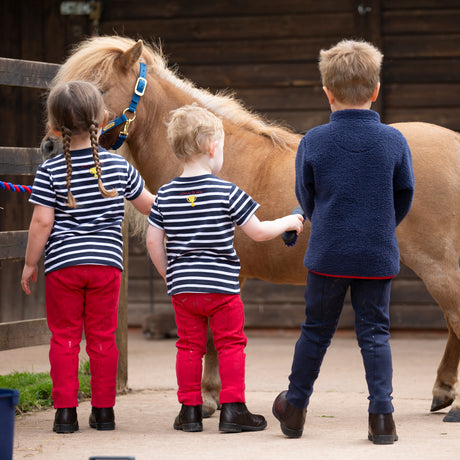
(22,162)
(421,74)
(266,53)
(18,166)
(31,31)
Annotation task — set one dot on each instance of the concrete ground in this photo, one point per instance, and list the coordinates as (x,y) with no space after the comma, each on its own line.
(336,425)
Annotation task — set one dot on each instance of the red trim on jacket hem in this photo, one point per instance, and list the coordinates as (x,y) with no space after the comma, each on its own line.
(355,277)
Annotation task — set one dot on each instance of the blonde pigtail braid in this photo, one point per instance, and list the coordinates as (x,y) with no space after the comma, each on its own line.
(66,134)
(94,146)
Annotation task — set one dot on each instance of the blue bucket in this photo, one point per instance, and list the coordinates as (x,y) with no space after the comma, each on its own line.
(8,402)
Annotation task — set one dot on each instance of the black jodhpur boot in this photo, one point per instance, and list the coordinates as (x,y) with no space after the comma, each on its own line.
(235,418)
(102,419)
(189,419)
(65,420)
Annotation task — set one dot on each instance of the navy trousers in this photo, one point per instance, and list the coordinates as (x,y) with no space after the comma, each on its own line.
(324,297)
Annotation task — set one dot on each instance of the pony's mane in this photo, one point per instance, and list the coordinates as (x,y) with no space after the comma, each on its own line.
(93,58)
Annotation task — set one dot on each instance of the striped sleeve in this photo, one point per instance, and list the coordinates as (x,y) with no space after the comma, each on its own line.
(242,206)
(155,217)
(135,183)
(43,192)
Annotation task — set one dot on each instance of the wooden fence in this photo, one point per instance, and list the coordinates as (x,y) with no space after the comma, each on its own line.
(24,161)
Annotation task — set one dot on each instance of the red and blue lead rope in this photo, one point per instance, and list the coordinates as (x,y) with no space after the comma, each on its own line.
(15,188)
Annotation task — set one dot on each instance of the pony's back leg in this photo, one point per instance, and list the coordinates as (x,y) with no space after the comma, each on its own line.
(444,389)
(444,285)
(210,383)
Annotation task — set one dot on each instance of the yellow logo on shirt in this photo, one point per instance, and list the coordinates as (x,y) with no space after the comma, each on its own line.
(93,171)
(191,199)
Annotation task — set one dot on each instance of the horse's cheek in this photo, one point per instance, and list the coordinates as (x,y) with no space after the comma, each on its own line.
(109,138)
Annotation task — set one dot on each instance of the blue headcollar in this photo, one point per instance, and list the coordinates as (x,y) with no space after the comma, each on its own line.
(139,90)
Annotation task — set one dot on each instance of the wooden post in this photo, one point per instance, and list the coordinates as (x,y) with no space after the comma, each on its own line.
(122,329)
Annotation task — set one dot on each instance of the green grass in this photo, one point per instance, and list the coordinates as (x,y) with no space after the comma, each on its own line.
(35,389)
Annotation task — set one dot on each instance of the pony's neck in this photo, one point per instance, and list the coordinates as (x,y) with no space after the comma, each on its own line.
(148,140)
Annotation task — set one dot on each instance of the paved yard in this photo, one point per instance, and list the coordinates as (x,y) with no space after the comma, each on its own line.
(336,425)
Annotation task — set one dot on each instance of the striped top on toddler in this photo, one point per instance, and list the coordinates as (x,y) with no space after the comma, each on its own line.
(198,215)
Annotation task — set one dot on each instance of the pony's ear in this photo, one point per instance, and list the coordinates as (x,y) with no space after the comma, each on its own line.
(131,56)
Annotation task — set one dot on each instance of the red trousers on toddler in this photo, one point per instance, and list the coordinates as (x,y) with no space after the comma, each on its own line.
(76,297)
(226,320)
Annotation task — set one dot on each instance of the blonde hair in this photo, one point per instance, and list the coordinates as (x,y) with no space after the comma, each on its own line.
(76,107)
(191,129)
(351,70)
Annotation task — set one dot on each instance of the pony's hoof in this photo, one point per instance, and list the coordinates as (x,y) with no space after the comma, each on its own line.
(439,403)
(208,408)
(452,416)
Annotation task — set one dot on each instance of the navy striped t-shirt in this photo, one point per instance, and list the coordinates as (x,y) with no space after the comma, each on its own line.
(91,233)
(198,215)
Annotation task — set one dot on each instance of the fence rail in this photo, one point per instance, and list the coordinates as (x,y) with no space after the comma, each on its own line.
(19,160)
(26,74)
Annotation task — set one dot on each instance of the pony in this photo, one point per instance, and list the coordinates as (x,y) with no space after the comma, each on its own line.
(259,156)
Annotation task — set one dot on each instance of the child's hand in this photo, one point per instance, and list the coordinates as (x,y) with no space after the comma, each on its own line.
(294,222)
(29,271)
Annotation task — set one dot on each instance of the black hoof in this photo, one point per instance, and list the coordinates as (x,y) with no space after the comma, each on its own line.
(440,403)
(208,411)
(452,416)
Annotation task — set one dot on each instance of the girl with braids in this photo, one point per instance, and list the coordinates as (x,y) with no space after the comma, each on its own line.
(79,208)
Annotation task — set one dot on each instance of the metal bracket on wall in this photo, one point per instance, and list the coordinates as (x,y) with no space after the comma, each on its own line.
(92,9)
(363,10)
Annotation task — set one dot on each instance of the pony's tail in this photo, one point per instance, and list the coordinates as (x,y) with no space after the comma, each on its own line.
(94,146)
(66,134)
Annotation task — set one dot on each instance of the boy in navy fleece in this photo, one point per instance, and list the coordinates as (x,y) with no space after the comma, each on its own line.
(355,183)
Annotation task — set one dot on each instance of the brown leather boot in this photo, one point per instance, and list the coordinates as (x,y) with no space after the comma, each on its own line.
(189,419)
(382,429)
(235,418)
(291,418)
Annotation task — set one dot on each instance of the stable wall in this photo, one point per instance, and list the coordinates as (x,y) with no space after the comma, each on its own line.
(266,53)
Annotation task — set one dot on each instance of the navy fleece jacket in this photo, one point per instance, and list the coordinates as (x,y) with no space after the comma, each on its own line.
(355,183)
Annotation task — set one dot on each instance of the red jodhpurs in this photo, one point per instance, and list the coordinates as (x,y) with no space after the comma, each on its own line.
(226,320)
(76,297)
